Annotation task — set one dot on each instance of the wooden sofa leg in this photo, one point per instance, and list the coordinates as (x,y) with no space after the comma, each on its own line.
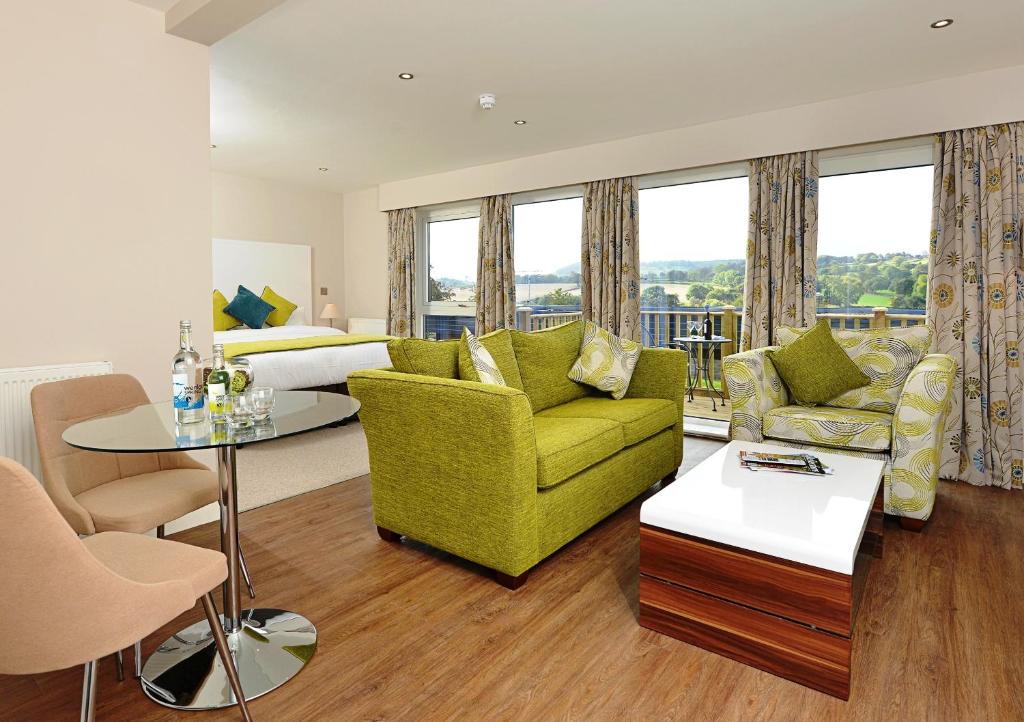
(911,524)
(510,582)
(665,481)
(388,535)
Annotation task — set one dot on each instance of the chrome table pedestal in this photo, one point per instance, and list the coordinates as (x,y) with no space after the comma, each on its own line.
(269,646)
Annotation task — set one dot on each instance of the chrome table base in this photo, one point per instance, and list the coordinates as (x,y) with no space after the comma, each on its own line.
(271,647)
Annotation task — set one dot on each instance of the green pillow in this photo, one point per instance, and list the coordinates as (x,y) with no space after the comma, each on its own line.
(283,308)
(222,321)
(815,368)
(249,308)
(499,344)
(427,358)
(544,359)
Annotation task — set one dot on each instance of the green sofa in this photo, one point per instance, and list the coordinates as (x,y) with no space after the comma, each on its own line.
(505,475)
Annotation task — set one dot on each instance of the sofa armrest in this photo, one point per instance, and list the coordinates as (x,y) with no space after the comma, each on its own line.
(661,373)
(453,464)
(917,433)
(755,388)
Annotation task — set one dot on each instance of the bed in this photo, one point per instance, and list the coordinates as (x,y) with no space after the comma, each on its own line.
(298,355)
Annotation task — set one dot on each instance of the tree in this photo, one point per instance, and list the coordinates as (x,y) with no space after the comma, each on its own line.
(558,297)
(655,297)
(697,293)
(440,291)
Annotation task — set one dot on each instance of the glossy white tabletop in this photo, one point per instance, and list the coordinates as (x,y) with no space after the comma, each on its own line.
(815,520)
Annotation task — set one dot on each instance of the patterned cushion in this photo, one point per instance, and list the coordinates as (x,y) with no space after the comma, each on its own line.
(825,426)
(886,355)
(499,344)
(483,363)
(606,361)
(566,447)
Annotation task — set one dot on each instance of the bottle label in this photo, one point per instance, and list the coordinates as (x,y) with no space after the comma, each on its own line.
(188,396)
(218,396)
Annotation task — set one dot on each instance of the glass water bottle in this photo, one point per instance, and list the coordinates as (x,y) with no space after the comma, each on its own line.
(187,379)
(218,387)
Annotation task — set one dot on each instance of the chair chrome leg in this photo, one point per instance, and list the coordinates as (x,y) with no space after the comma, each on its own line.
(245,573)
(138,660)
(160,532)
(89,693)
(225,654)
(119,661)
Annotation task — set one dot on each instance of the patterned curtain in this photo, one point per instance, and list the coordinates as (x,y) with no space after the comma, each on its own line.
(401,266)
(976,286)
(495,274)
(782,246)
(610,267)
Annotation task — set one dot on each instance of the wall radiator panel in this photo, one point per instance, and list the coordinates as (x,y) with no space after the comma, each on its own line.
(17,435)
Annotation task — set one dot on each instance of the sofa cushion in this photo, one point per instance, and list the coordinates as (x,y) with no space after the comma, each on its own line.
(640,418)
(566,447)
(427,358)
(499,346)
(544,359)
(886,355)
(606,361)
(816,368)
(827,426)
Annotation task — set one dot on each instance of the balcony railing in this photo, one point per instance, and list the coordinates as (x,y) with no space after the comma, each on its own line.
(660,326)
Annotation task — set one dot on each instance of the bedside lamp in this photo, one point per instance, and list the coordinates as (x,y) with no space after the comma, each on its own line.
(330,313)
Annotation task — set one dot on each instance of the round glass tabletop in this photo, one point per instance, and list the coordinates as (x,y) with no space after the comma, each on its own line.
(151,427)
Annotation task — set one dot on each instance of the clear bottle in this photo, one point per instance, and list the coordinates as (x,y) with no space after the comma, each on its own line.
(187,379)
(218,387)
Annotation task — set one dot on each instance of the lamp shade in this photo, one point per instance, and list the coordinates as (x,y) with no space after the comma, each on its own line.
(330,312)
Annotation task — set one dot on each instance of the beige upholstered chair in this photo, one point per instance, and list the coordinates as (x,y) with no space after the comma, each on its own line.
(70,601)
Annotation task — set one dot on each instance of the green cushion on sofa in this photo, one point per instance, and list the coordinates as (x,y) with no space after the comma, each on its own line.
(565,447)
(427,358)
(815,368)
(545,358)
(499,345)
(640,418)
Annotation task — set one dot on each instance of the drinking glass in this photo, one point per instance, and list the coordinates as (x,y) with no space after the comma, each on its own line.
(263,402)
(242,410)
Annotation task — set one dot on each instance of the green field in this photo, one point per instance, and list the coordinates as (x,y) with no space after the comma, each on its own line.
(882,298)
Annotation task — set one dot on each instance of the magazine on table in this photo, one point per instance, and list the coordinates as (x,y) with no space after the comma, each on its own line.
(787,463)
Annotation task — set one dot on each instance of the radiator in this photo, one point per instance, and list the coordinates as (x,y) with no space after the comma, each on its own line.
(17,435)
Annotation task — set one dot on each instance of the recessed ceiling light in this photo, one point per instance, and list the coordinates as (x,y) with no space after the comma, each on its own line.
(406,76)
(939,24)
(322,169)
(212,145)
(519,122)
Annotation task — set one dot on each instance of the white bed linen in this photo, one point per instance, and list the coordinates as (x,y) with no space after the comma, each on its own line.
(305,368)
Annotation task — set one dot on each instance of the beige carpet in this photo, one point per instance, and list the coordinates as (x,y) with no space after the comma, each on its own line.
(696,449)
(276,470)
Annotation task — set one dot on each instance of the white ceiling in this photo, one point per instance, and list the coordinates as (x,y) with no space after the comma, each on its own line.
(161,5)
(314,82)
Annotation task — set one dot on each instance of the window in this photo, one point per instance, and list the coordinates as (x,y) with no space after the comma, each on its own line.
(450,240)
(873,231)
(547,255)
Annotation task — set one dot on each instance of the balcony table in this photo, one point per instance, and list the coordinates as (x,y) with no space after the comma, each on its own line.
(701,353)
(269,646)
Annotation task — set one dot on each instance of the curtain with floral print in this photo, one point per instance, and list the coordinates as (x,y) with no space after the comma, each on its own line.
(401,267)
(495,274)
(610,262)
(976,299)
(782,246)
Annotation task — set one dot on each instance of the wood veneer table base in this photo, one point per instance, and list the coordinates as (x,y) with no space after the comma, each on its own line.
(792,620)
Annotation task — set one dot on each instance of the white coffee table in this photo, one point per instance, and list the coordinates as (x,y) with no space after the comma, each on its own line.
(763,566)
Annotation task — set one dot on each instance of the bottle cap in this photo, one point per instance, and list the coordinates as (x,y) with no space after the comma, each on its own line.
(185,324)
(218,347)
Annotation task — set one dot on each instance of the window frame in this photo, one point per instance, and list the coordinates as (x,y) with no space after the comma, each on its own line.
(457,211)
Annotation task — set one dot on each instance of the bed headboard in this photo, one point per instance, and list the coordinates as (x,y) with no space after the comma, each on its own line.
(285,267)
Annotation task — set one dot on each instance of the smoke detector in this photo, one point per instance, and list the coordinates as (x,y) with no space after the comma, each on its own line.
(488,101)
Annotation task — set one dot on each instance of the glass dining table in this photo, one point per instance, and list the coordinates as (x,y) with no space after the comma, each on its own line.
(269,646)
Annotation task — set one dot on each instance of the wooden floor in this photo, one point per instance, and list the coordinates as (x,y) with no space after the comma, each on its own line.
(407,633)
(701,407)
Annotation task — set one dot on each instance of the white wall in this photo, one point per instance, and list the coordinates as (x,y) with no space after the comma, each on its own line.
(366,259)
(253,209)
(105,187)
(978,99)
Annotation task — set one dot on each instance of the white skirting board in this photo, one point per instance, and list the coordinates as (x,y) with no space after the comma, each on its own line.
(17,434)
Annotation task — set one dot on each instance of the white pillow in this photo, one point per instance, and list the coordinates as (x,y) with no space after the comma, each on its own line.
(298,317)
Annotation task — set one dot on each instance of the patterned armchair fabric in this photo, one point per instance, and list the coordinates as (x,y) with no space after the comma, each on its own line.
(908,440)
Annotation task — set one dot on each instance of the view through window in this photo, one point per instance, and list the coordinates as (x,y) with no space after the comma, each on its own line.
(873,231)
(451,277)
(547,255)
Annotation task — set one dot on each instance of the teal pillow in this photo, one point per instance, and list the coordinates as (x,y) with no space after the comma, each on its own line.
(815,368)
(249,308)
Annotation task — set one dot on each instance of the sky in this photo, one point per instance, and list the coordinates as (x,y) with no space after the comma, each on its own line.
(883,212)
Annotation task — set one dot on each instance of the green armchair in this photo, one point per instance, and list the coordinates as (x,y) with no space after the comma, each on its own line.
(898,418)
(505,476)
